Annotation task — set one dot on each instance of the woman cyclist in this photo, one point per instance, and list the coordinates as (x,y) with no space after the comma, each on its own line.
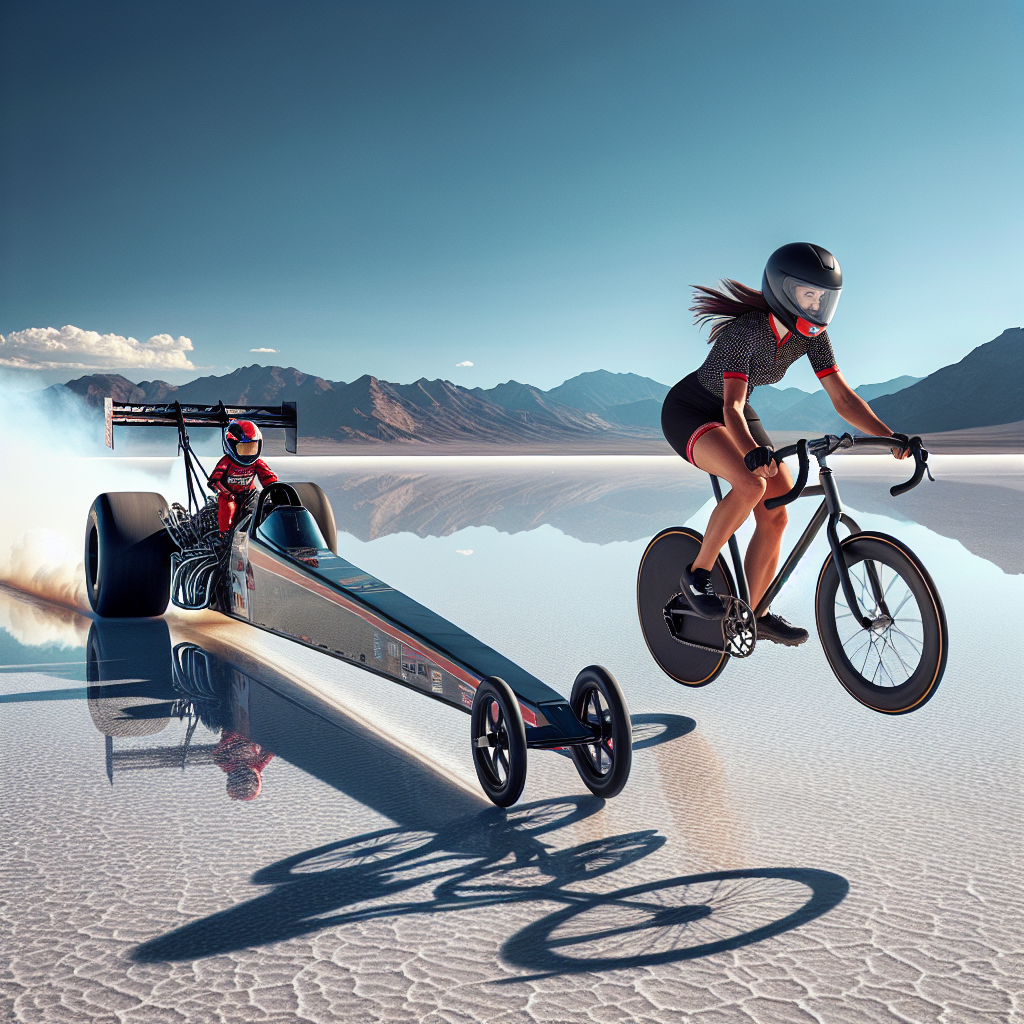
(707,418)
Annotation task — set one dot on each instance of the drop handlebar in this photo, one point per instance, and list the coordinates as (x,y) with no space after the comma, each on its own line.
(823,446)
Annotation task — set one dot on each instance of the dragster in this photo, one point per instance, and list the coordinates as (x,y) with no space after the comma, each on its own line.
(278,569)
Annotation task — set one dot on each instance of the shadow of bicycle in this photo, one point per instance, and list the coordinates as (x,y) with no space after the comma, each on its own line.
(673,919)
(496,858)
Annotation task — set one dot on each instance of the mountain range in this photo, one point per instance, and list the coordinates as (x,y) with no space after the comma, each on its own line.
(984,388)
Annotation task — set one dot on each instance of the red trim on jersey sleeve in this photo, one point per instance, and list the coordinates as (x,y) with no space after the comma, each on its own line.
(731,375)
(825,373)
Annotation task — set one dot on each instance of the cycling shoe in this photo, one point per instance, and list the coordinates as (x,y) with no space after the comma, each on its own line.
(700,594)
(775,628)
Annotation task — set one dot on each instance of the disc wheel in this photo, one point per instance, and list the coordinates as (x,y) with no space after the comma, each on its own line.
(499,741)
(597,702)
(657,584)
(895,665)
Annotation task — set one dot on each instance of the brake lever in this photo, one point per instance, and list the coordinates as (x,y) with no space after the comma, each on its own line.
(920,468)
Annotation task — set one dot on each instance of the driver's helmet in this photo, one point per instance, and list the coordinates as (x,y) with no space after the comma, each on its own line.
(243,442)
(801,284)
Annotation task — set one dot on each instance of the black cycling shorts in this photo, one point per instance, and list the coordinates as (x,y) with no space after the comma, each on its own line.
(690,410)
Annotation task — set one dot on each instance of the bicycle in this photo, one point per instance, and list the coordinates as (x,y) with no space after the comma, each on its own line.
(878,612)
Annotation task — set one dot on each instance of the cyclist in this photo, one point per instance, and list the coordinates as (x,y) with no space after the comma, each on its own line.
(707,417)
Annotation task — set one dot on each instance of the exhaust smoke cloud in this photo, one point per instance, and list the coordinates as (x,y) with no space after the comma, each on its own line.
(53,464)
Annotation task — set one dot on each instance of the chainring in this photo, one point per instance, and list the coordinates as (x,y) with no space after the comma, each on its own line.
(739,628)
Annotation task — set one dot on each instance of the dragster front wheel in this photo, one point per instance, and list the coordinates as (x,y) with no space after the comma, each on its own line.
(597,702)
(499,741)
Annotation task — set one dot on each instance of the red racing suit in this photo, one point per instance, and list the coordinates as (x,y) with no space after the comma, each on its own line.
(229,479)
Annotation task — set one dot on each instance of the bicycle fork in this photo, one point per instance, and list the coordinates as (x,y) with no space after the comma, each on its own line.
(834,507)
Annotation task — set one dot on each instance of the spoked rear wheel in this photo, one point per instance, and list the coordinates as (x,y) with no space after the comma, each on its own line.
(499,741)
(657,584)
(895,665)
(597,702)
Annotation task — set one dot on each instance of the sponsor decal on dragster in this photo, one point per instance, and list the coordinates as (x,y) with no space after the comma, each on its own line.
(242,582)
(418,668)
(467,680)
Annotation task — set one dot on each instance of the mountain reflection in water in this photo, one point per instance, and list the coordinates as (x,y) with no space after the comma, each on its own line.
(594,500)
(602,500)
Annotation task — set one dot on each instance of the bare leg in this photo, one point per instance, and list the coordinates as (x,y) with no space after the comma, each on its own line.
(716,452)
(762,556)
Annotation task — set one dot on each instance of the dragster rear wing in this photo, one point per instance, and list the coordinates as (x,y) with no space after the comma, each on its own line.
(127,414)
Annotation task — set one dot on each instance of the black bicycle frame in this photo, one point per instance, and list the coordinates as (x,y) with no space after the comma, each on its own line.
(830,511)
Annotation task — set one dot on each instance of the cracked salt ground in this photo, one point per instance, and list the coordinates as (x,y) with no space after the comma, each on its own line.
(779,854)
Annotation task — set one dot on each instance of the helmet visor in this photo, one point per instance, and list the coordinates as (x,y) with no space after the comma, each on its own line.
(811,301)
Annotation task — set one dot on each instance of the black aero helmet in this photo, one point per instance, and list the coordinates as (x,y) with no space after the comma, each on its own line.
(801,285)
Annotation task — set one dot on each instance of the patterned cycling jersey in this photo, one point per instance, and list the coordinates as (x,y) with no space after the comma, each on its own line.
(749,349)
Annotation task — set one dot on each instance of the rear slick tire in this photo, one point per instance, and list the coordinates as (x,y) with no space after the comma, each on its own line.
(597,701)
(895,668)
(498,736)
(128,555)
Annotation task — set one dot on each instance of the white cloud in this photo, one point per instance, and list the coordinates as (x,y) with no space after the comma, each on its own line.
(71,348)
(465,363)
(463,551)
(263,350)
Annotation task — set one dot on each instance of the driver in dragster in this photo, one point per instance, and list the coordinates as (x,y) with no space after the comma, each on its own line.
(234,477)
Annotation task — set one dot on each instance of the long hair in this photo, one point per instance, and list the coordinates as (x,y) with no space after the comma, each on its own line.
(715,306)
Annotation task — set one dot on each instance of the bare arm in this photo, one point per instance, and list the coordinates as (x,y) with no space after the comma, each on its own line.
(736,423)
(854,409)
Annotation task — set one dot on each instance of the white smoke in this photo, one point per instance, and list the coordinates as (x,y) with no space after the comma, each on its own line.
(41,562)
(71,348)
(51,476)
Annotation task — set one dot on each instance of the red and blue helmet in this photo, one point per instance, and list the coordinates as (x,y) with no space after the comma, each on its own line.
(243,434)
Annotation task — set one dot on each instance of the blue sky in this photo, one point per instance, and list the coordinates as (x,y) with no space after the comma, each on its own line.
(395,188)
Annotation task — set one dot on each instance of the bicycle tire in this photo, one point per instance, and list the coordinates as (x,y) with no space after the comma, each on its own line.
(657,583)
(907,659)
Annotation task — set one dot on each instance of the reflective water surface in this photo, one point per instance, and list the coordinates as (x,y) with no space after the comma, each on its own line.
(206,822)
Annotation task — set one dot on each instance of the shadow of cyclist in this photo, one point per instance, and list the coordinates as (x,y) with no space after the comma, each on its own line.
(486,858)
(451,852)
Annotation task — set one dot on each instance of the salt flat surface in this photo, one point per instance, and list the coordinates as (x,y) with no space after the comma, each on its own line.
(781,853)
